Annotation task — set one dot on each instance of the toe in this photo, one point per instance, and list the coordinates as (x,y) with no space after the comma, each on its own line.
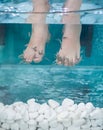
(38,56)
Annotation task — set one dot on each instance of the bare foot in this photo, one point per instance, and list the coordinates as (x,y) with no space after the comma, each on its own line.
(40,35)
(36,47)
(69,53)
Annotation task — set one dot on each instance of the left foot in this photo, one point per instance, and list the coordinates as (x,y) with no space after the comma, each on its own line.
(69,53)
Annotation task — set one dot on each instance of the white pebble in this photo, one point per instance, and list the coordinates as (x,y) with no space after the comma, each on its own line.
(96,114)
(18,116)
(53,123)
(33,107)
(40,118)
(62,115)
(79,122)
(67,122)
(31,101)
(53,104)
(23,125)
(43,108)
(33,115)
(44,124)
(67,102)
(5,126)
(96,128)
(14,126)
(81,106)
(58,127)
(59,109)
(32,122)
(10,113)
(73,128)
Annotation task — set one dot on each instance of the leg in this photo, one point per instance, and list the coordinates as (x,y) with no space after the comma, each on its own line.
(36,47)
(69,53)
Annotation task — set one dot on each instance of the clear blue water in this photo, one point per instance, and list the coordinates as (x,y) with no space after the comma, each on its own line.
(43,81)
(20,83)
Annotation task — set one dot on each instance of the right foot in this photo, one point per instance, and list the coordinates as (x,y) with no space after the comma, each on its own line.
(36,47)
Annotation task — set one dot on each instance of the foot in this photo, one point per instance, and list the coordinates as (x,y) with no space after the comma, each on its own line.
(69,53)
(36,47)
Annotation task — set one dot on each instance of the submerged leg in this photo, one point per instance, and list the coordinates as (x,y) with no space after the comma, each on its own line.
(36,47)
(69,53)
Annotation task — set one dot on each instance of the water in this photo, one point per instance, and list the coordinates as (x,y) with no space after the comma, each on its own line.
(46,80)
(43,81)
(20,83)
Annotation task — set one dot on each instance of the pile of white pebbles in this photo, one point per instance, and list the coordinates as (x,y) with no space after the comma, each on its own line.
(50,116)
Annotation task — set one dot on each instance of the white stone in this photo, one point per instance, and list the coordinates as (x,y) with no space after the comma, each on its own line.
(59,109)
(67,102)
(96,114)
(89,107)
(18,116)
(40,118)
(53,104)
(1,105)
(96,128)
(3,115)
(85,127)
(53,123)
(81,107)
(43,108)
(84,115)
(2,129)
(47,114)
(53,115)
(15,104)
(96,123)
(5,126)
(31,101)
(62,115)
(33,115)
(23,125)
(10,113)
(73,108)
(14,126)
(40,129)
(26,116)
(67,122)
(73,128)
(44,124)
(10,121)
(58,127)
(75,115)
(79,122)
(32,128)
(32,122)
(23,109)
(33,107)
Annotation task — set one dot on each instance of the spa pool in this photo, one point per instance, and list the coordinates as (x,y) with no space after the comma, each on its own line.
(47,96)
